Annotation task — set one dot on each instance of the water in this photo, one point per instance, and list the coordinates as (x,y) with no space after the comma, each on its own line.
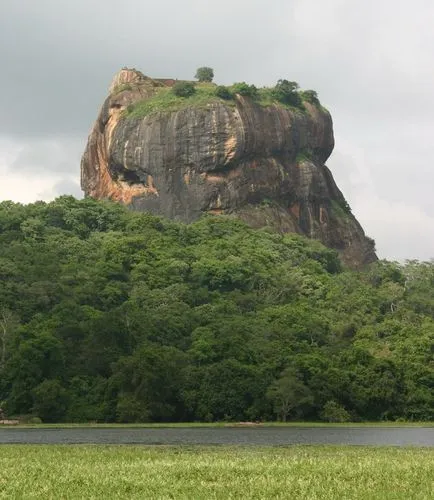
(277,436)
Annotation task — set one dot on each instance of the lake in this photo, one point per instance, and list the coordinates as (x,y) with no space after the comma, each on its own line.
(260,436)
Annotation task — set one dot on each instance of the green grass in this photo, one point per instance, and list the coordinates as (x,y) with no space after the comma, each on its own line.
(166,101)
(298,472)
(217,425)
(123,86)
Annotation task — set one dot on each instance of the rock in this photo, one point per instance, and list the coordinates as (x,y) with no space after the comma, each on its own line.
(264,164)
(9,422)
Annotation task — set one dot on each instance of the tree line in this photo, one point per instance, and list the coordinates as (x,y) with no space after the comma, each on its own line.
(110,315)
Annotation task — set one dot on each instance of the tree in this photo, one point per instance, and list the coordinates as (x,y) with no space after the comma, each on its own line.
(286,92)
(223,92)
(183,89)
(131,409)
(50,400)
(149,319)
(310,96)
(334,412)
(244,89)
(148,383)
(289,395)
(8,323)
(204,74)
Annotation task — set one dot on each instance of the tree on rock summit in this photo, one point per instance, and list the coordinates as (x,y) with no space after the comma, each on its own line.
(204,74)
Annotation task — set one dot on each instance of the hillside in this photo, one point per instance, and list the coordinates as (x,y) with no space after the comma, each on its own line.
(112,315)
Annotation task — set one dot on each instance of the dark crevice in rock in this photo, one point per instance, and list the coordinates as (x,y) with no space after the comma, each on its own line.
(131,177)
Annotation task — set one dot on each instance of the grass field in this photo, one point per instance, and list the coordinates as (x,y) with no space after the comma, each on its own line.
(218,424)
(297,472)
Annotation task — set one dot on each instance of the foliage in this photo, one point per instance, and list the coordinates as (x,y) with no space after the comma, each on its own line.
(310,96)
(183,89)
(35,421)
(341,208)
(286,92)
(223,92)
(188,94)
(288,395)
(244,89)
(165,100)
(122,88)
(110,315)
(333,412)
(204,74)
(50,400)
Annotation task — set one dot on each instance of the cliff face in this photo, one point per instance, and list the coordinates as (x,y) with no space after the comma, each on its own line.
(265,164)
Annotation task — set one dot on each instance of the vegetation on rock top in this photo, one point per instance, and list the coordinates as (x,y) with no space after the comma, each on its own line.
(204,74)
(166,99)
(186,94)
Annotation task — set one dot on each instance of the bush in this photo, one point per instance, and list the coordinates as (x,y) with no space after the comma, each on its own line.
(245,89)
(34,420)
(204,74)
(286,92)
(310,96)
(183,89)
(223,92)
(333,412)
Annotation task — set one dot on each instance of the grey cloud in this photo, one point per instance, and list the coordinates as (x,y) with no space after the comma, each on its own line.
(68,186)
(371,63)
(60,57)
(47,157)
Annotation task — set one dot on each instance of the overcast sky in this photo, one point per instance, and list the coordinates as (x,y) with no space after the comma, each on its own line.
(371,63)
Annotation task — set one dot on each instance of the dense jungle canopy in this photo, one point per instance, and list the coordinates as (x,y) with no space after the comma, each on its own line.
(110,315)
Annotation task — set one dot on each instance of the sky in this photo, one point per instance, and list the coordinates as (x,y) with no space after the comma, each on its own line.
(371,63)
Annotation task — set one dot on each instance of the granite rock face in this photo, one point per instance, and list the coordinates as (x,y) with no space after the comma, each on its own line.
(263,164)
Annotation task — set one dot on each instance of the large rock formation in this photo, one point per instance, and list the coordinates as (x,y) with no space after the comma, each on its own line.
(266,164)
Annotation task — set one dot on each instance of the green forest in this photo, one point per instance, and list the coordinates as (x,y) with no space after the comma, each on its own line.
(108,315)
